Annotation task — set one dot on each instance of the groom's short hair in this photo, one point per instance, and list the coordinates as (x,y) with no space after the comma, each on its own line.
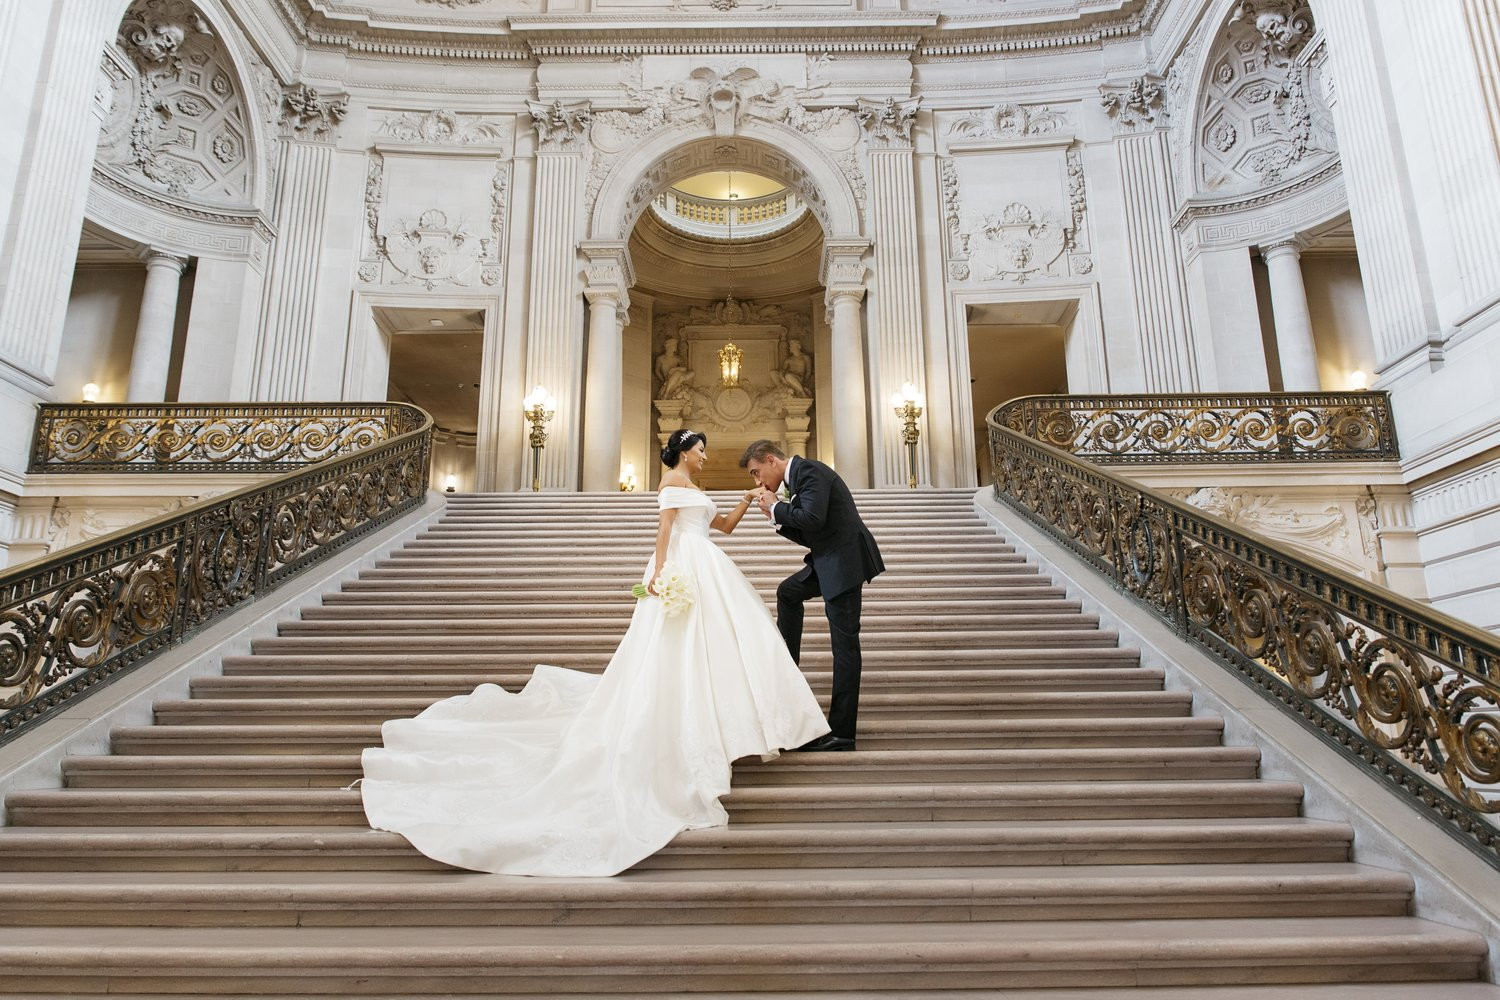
(759,451)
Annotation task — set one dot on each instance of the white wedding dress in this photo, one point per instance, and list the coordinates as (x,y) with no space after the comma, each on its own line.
(583,774)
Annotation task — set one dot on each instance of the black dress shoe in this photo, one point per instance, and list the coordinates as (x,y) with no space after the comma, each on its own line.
(829,742)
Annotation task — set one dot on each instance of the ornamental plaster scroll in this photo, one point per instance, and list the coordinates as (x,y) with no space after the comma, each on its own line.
(445,128)
(176,121)
(1004,122)
(1136,106)
(726,99)
(888,123)
(559,125)
(1261,116)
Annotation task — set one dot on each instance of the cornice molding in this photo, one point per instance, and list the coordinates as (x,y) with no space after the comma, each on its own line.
(510,37)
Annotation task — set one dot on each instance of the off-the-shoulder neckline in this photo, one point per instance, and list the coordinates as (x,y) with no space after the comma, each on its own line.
(690,489)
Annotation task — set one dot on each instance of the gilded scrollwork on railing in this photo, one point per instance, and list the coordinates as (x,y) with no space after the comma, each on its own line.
(1314,426)
(1405,691)
(189,437)
(79,617)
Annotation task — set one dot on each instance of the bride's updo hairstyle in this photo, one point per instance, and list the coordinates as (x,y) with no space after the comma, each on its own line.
(680,441)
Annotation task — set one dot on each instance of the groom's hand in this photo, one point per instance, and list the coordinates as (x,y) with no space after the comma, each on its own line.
(766,500)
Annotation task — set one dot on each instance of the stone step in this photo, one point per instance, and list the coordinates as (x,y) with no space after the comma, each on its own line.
(850,845)
(815,657)
(588,566)
(1120,734)
(460,589)
(400,681)
(869,767)
(1298,991)
(780,804)
(729,896)
(719,958)
(927,640)
(874,708)
(570,621)
(360,606)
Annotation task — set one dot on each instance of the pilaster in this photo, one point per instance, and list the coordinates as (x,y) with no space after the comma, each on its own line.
(554,330)
(897,349)
(310,124)
(1391,261)
(1169,359)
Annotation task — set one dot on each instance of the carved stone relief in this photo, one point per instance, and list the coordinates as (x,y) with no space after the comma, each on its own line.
(307,113)
(888,123)
(438,248)
(559,125)
(176,121)
(1019,242)
(1136,107)
(1324,529)
(725,98)
(1010,121)
(445,128)
(1261,117)
(775,381)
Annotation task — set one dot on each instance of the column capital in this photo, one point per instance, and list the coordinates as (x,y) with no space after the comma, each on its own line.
(309,114)
(1135,105)
(842,269)
(561,126)
(887,124)
(1292,245)
(609,273)
(153,257)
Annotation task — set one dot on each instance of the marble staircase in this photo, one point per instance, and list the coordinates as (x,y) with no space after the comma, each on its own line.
(1030,813)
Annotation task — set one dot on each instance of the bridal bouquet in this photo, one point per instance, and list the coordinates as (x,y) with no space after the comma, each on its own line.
(673,586)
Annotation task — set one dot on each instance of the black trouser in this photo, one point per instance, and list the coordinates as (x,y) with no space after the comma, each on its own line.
(843,627)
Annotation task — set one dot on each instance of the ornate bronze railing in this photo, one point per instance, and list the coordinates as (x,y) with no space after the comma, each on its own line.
(224,437)
(1311,426)
(1404,691)
(82,616)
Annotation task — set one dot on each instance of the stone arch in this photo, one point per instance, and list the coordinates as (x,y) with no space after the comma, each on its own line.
(1257,118)
(199,137)
(766,147)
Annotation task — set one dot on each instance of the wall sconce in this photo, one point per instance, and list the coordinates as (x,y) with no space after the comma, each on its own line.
(1358,380)
(908,406)
(540,407)
(730,357)
(90,392)
(628,481)
(452,484)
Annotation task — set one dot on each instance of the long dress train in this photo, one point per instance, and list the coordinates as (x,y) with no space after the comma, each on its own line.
(583,774)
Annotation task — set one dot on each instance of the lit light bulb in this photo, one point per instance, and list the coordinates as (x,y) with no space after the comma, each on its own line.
(452,484)
(1358,380)
(90,392)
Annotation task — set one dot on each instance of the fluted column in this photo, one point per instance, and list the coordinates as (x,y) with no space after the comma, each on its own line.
(1402,317)
(608,277)
(554,342)
(1294,332)
(851,447)
(39,241)
(1482,19)
(151,357)
(1169,358)
(897,349)
(309,123)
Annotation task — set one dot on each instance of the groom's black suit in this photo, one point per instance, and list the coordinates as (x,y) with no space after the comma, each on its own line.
(842,557)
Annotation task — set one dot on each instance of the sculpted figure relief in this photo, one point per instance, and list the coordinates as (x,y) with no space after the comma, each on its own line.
(671,372)
(796,370)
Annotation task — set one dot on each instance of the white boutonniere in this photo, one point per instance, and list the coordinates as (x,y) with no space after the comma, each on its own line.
(786,492)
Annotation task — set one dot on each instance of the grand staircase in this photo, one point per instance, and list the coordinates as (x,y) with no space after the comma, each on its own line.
(1030,812)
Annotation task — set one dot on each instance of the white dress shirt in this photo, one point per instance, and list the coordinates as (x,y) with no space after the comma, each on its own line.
(785,481)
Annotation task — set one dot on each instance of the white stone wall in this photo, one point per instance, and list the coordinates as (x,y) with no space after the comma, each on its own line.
(1138,174)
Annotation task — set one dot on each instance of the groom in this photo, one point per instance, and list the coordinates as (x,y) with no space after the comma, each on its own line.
(842,557)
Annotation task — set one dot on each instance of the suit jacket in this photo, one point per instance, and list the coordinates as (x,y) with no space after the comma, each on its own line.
(821,515)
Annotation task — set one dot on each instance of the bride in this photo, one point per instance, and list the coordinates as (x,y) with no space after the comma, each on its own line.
(583,774)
